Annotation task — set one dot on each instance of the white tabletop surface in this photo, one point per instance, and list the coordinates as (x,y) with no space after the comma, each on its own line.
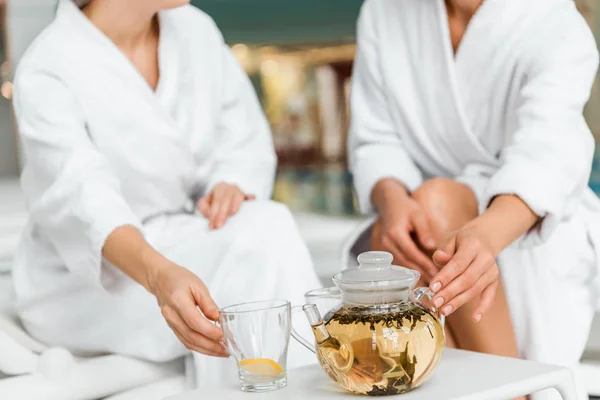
(461,375)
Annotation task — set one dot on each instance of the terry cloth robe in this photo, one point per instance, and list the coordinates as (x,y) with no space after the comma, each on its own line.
(104,150)
(503,115)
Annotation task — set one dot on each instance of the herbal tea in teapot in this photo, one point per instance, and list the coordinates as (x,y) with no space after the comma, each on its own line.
(371,357)
(381,340)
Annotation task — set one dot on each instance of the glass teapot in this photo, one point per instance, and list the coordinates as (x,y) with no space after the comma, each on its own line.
(382,339)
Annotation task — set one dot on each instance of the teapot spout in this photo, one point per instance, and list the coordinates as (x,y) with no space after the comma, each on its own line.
(312,314)
(316,322)
(335,356)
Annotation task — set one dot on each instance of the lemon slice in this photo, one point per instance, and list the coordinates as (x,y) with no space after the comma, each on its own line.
(261,366)
(343,358)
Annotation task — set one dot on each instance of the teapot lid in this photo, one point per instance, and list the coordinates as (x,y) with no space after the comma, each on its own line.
(376,280)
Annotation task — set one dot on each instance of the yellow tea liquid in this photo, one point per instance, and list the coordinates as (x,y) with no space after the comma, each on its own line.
(380,351)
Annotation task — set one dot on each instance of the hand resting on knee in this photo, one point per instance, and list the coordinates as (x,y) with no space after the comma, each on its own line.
(403,229)
(463,265)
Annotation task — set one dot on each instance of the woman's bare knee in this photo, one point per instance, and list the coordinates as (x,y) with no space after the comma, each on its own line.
(448,204)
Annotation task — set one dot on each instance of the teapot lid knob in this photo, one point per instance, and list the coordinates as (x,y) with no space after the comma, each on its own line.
(371,258)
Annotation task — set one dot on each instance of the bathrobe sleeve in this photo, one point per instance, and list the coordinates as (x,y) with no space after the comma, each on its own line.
(244,154)
(547,159)
(376,149)
(73,196)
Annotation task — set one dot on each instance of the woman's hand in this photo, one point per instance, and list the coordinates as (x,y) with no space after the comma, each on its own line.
(187,307)
(468,257)
(402,223)
(224,201)
(469,269)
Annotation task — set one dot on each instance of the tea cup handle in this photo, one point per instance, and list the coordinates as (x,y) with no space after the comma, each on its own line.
(418,294)
(310,346)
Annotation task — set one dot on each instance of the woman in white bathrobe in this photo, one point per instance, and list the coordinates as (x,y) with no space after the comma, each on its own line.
(133,114)
(468,141)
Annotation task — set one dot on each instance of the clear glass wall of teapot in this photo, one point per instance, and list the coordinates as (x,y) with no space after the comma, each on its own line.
(377,336)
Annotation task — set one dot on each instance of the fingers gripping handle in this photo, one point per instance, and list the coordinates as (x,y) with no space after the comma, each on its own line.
(418,295)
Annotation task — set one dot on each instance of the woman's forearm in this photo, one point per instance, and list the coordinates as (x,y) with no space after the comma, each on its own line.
(504,221)
(127,249)
(183,299)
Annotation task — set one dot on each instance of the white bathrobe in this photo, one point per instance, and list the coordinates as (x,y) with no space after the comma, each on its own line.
(104,150)
(503,115)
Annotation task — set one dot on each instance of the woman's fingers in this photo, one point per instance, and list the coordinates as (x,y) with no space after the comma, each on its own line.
(423,230)
(198,323)
(203,341)
(390,246)
(445,252)
(453,268)
(440,259)
(399,258)
(466,287)
(204,205)
(413,253)
(205,301)
(224,206)
(193,347)
(185,304)
(485,282)
(236,203)
(487,300)
(197,349)
(216,198)
(193,340)
(225,200)
(194,319)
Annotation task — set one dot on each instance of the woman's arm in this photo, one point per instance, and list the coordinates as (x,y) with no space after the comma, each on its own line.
(545,168)
(243,159)
(127,249)
(506,219)
(243,154)
(178,291)
(75,202)
(383,171)
(468,257)
(375,149)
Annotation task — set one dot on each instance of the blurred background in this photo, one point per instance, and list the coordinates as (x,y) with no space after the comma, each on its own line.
(299,57)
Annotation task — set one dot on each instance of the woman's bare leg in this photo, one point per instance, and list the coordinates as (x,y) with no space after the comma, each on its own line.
(449,205)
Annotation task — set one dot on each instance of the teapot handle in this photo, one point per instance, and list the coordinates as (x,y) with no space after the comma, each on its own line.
(310,346)
(418,294)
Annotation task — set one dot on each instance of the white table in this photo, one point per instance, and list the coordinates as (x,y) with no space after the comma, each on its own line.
(461,375)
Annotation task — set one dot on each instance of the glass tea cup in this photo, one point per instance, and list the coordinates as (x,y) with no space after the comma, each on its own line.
(257,335)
